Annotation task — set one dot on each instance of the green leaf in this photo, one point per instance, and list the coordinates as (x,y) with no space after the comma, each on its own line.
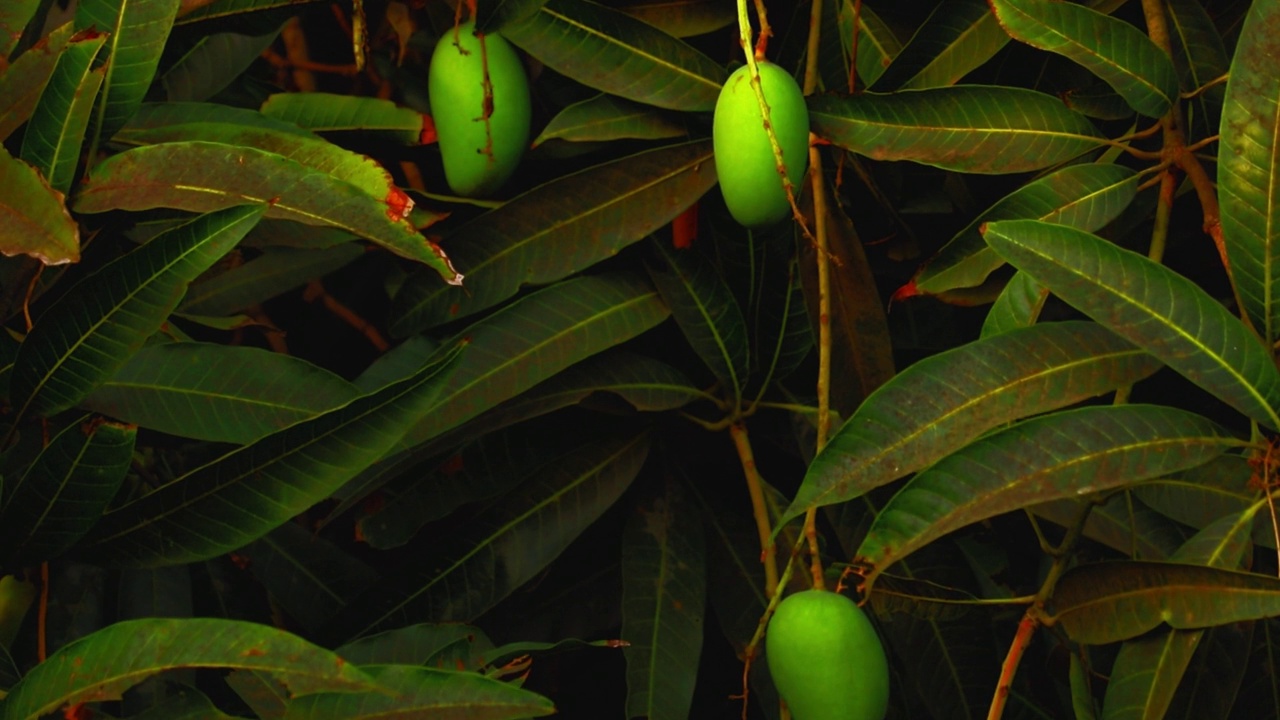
(265,696)
(1150,305)
(1083,196)
(941,403)
(412,644)
(33,219)
(309,577)
(56,130)
(14,17)
(231,8)
(1249,153)
(271,274)
(1017,305)
(1201,496)
(663,604)
(186,703)
(532,339)
(1149,669)
(877,44)
(102,665)
(218,393)
(1121,523)
(92,330)
(705,310)
(328,112)
(956,38)
(966,128)
(1117,52)
(1107,602)
(558,229)
(1201,58)
(23,81)
(682,18)
(211,63)
(248,492)
(611,51)
(506,545)
(205,176)
(1066,454)
(407,693)
(64,491)
(494,15)
(136,33)
(605,117)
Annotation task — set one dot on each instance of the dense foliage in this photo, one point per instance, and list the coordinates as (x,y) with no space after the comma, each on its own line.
(289,430)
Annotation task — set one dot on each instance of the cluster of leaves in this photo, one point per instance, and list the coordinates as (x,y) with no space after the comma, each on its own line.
(556,449)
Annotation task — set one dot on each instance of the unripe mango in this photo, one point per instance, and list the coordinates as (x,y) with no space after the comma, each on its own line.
(745,164)
(826,660)
(479,153)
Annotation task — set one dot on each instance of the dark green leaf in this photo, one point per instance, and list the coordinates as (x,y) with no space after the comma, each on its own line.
(955,39)
(413,644)
(558,229)
(493,15)
(1018,305)
(506,545)
(275,272)
(104,664)
(211,64)
(64,491)
(204,176)
(966,128)
(33,219)
(14,17)
(56,130)
(1107,602)
(92,330)
(605,117)
(1153,307)
(409,693)
(23,81)
(682,18)
(705,310)
(246,493)
(231,8)
(877,44)
(1115,51)
(663,601)
(186,703)
(1084,196)
(1201,58)
(1249,154)
(611,51)
(943,402)
(327,112)
(136,34)
(1066,454)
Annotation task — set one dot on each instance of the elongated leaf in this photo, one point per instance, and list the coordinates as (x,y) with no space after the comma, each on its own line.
(64,491)
(505,546)
(246,493)
(23,81)
(1121,523)
(494,15)
(1247,162)
(956,38)
(877,45)
(327,112)
(311,578)
(1061,455)
(211,63)
(682,18)
(1018,305)
(1201,58)
(407,693)
(14,17)
(967,128)
(204,176)
(1201,496)
(558,229)
(264,695)
(941,403)
(186,703)
(1117,52)
(101,666)
(1149,669)
(1083,196)
(56,130)
(231,8)
(606,117)
(613,52)
(91,331)
(33,219)
(413,644)
(1106,602)
(137,31)
(1153,307)
(705,310)
(663,601)
(269,275)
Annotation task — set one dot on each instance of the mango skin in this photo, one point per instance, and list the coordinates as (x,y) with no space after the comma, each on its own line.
(455,84)
(826,660)
(745,164)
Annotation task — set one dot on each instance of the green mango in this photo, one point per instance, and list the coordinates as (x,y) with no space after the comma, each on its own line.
(825,658)
(478,156)
(745,164)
